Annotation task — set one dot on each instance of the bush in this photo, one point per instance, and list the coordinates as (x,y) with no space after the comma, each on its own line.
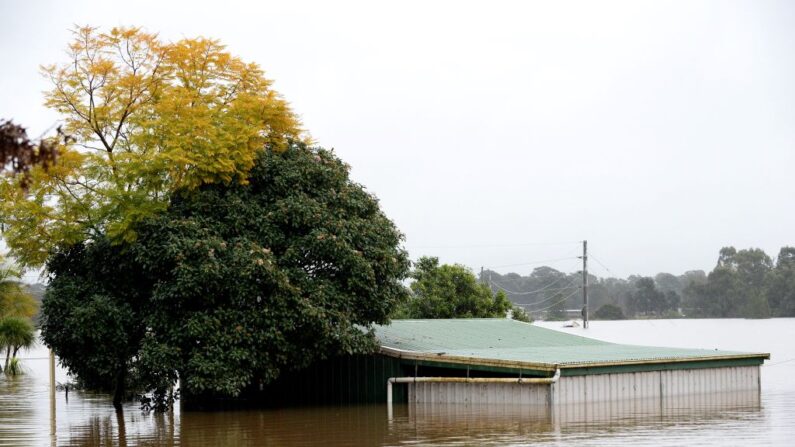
(609,312)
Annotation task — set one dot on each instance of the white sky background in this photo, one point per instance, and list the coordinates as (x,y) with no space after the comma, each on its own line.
(659,131)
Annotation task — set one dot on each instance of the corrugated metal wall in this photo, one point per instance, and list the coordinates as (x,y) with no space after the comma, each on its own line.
(363,379)
(356,379)
(693,405)
(479,393)
(654,384)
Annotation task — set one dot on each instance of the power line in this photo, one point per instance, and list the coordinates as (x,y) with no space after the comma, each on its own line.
(532,262)
(525,244)
(778,363)
(528,292)
(550,298)
(600,263)
(556,302)
(547,288)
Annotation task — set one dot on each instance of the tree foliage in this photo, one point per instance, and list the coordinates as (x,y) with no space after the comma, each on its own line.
(15,301)
(557,310)
(450,291)
(17,307)
(609,312)
(15,333)
(19,154)
(93,313)
(736,287)
(646,299)
(780,286)
(519,314)
(744,283)
(234,285)
(147,118)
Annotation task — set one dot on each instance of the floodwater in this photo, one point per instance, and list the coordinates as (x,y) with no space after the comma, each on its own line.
(26,417)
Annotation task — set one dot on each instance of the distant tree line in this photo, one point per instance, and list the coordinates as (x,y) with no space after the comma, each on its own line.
(744,284)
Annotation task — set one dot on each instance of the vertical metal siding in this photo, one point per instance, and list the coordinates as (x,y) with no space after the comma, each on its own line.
(656,384)
(478,393)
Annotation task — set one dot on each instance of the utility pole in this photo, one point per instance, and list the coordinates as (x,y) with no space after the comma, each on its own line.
(585,284)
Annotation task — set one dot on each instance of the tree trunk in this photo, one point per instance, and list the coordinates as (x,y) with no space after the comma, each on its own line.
(122,428)
(8,357)
(118,394)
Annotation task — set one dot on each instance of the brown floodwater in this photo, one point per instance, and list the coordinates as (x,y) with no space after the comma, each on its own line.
(85,419)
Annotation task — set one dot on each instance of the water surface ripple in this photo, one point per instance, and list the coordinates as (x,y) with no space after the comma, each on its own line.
(724,419)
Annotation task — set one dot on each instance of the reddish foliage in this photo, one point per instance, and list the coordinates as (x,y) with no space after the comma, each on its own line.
(19,154)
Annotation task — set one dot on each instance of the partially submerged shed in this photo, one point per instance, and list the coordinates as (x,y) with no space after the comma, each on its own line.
(528,364)
(506,361)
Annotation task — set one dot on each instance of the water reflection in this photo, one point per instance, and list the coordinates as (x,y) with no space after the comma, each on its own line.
(742,418)
(449,424)
(16,410)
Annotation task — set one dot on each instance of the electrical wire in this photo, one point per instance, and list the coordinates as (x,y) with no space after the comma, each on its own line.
(600,263)
(531,263)
(778,363)
(550,298)
(525,244)
(555,303)
(530,292)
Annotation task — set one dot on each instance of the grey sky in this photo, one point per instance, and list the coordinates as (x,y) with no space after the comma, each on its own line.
(659,131)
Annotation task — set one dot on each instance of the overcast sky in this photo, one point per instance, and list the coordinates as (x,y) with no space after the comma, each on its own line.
(498,133)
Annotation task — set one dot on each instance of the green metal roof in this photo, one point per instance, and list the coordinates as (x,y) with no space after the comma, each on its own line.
(509,342)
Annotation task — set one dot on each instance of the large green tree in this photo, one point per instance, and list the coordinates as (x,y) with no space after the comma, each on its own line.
(94,313)
(450,291)
(238,283)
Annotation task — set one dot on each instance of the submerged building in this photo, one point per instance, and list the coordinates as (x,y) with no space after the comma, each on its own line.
(501,361)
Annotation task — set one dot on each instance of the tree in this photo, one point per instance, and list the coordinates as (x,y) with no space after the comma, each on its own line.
(15,333)
(94,314)
(239,283)
(609,312)
(726,256)
(646,299)
(519,314)
(14,300)
(558,310)
(18,154)
(780,287)
(16,309)
(146,118)
(667,282)
(450,291)
(736,287)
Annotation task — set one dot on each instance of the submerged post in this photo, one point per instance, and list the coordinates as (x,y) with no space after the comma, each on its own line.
(585,284)
(52,397)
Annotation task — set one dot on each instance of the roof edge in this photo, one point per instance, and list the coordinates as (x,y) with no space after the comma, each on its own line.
(480,361)
(744,356)
(440,357)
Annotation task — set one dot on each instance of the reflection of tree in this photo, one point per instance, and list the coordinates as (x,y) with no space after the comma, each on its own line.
(514,424)
(16,405)
(436,424)
(123,429)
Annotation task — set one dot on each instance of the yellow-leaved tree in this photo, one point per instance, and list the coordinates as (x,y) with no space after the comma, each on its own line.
(146,118)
